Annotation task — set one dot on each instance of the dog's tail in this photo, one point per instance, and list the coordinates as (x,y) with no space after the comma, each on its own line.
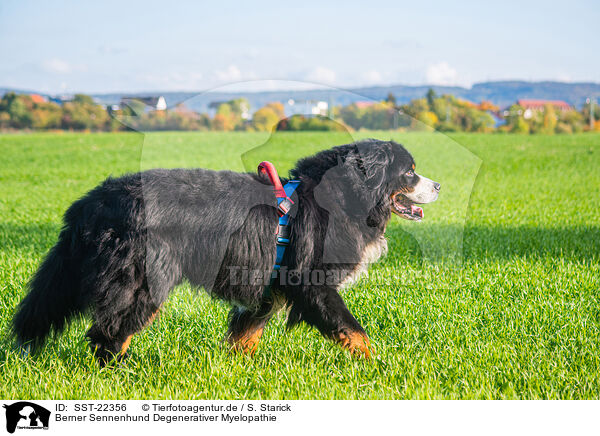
(54,296)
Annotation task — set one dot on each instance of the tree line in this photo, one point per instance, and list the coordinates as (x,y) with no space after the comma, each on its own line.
(445,113)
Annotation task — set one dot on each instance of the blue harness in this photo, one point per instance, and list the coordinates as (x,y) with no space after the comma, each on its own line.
(283,229)
(284,205)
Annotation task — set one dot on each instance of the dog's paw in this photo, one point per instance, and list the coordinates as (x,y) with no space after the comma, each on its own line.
(246,343)
(356,342)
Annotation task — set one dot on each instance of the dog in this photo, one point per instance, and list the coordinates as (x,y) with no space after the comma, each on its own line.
(127,243)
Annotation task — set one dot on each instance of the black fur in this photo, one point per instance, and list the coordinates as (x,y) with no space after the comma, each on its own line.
(130,240)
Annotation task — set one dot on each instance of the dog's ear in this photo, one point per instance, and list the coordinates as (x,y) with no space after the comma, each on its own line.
(373,162)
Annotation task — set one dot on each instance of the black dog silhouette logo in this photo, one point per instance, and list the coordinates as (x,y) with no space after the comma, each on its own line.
(26,415)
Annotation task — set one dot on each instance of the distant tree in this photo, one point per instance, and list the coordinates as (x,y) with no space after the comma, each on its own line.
(232,114)
(488,106)
(265,119)
(514,120)
(447,126)
(563,128)
(479,121)
(225,109)
(520,126)
(316,123)
(379,116)
(352,115)
(574,119)
(4,119)
(415,107)
(391,99)
(429,118)
(277,107)
(19,110)
(443,109)
(222,122)
(549,120)
(46,116)
(84,114)
(83,99)
(585,113)
(431,96)
(240,107)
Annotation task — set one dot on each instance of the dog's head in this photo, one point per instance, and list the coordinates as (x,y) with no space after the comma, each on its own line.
(369,178)
(359,186)
(406,187)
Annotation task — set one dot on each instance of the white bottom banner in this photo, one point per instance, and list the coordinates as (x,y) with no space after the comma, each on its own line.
(148,417)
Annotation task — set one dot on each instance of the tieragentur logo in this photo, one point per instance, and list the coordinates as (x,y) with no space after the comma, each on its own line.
(26,415)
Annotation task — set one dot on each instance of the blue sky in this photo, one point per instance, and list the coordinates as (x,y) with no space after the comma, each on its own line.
(106,46)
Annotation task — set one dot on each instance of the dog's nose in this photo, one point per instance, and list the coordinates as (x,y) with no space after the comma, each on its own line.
(437,186)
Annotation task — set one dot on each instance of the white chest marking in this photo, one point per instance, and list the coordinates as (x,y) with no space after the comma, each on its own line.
(372,252)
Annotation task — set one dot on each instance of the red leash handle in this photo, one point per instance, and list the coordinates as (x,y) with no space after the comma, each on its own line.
(268,168)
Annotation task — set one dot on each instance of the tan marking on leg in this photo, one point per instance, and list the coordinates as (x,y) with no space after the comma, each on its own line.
(246,342)
(153,317)
(125,345)
(356,342)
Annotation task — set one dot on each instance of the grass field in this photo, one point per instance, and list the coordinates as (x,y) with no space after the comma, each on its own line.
(507,308)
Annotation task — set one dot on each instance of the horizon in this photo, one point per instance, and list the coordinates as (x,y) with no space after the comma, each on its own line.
(304,86)
(140,47)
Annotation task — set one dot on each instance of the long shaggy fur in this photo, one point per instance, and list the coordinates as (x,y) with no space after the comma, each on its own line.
(130,240)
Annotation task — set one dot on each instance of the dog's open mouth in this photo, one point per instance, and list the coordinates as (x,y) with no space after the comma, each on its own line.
(406,209)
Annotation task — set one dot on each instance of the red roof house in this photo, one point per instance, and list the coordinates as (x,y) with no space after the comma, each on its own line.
(363,104)
(37,98)
(538,105)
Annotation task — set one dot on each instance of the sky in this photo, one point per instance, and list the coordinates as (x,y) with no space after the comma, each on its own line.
(120,46)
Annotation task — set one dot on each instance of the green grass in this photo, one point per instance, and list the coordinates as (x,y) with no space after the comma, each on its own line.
(494,295)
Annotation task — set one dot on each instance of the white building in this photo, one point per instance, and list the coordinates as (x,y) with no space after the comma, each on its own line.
(155,103)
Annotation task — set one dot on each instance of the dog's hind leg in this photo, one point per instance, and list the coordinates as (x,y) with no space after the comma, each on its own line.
(132,287)
(108,347)
(125,344)
(246,326)
(111,333)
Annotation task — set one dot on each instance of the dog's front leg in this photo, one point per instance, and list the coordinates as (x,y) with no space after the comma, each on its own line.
(323,308)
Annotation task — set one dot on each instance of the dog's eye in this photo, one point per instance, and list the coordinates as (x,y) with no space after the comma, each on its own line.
(409,173)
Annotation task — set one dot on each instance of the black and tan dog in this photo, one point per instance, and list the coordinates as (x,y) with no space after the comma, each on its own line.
(130,240)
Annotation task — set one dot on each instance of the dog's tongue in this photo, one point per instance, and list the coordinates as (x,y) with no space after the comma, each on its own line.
(416,210)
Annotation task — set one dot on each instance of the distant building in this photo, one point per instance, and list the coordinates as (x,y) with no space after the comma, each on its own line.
(532,106)
(307,107)
(36,98)
(157,103)
(62,99)
(320,108)
(363,104)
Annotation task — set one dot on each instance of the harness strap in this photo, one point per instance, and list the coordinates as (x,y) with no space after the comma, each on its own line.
(283,229)
(284,205)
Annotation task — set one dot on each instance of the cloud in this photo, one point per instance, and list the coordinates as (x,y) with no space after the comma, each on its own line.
(441,74)
(56,66)
(564,77)
(372,77)
(173,80)
(252,53)
(59,66)
(321,75)
(402,44)
(110,50)
(231,74)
